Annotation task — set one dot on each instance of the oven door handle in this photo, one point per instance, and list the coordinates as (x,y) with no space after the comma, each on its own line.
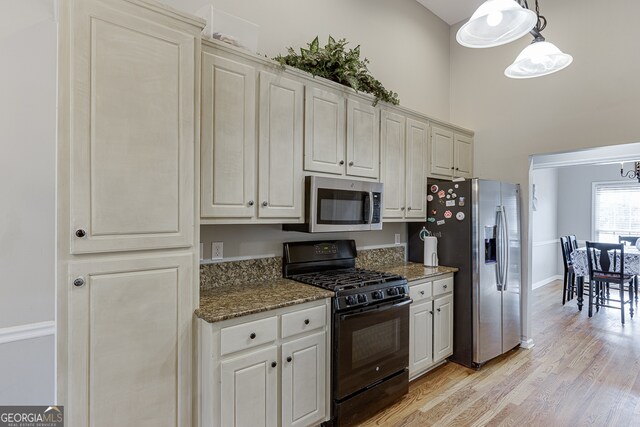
(377,310)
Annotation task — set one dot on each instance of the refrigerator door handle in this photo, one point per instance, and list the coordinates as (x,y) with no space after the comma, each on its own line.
(499,268)
(505,245)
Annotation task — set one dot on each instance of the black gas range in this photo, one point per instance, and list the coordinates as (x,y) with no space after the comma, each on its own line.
(370,326)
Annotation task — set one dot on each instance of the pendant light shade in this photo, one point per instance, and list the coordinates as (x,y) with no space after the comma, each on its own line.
(496,22)
(538,59)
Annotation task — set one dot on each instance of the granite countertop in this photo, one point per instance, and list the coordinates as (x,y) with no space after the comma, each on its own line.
(415,271)
(227,302)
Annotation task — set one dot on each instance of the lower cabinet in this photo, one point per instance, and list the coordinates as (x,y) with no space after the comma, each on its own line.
(267,369)
(431,326)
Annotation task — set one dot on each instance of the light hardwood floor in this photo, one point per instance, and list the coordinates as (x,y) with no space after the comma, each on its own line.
(582,372)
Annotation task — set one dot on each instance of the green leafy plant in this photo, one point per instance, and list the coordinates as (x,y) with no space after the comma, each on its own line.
(337,63)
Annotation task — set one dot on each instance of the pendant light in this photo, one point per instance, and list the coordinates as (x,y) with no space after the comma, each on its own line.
(540,57)
(496,22)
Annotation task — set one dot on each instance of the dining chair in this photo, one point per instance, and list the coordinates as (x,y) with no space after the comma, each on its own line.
(631,241)
(606,266)
(574,241)
(569,286)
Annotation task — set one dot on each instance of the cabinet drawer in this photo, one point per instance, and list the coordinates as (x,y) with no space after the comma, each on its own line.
(247,335)
(442,286)
(420,292)
(303,321)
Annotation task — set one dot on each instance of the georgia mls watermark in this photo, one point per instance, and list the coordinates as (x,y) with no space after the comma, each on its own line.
(31,416)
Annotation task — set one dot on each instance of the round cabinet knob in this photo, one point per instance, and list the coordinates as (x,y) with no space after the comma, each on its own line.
(289,359)
(409,208)
(253,335)
(80,233)
(78,282)
(250,203)
(444,286)
(265,204)
(438,310)
(402,208)
(350,163)
(274,364)
(306,321)
(457,169)
(430,312)
(451,167)
(341,162)
(421,292)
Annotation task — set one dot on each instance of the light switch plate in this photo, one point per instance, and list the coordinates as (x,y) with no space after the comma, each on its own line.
(216,250)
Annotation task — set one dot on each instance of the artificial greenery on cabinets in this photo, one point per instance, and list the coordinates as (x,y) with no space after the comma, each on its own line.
(337,63)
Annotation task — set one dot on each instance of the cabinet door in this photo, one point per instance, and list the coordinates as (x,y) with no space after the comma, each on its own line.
(324,121)
(249,388)
(443,327)
(463,151)
(417,147)
(133,137)
(280,147)
(363,139)
(228,142)
(129,330)
(304,381)
(392,146)
(420,337)
(441,152)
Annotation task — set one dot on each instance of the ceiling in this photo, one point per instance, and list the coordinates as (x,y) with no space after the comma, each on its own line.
(452,11)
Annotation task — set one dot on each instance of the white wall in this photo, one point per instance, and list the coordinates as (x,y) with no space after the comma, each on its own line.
(27,192)
(575,206)
(591,103)
(546,263)
(263,240)
(408,46)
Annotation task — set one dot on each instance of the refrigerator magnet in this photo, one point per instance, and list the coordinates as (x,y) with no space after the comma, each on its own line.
(460,216)
(450,190)
(434,212)
(454,195)
(448,214)
(430,198)
(431,219)
(440,193)
(440,222)
(461,201)
(448,196)
(434,188)
(451,203)
(456,186)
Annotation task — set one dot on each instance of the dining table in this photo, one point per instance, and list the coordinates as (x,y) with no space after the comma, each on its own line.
(581,267)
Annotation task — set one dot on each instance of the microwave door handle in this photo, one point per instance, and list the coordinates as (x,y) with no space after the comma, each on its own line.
(367,209)
(370,207)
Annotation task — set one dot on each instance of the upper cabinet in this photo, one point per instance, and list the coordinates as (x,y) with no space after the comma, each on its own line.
(251,164)
(451,153)
(404,147)
(363,139)
(133,131)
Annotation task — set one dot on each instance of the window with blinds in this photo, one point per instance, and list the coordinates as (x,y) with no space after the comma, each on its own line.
(616,210)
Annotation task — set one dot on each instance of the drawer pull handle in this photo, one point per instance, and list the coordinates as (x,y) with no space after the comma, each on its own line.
(306,321)
(274,364)
(253,335)
(289,359)
(421,292)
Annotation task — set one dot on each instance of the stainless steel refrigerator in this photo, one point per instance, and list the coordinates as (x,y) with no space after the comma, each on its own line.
(477,223)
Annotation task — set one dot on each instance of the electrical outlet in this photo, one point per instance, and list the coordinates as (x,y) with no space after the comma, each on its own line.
(216,250)
(397,237)
(201,251)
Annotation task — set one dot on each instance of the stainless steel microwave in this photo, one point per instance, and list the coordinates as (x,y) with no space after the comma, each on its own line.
(333,204)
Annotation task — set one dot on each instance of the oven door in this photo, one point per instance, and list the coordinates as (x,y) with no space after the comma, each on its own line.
(369,346)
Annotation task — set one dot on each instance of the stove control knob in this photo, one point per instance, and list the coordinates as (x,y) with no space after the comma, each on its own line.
(392,291)
(351,300)
(362,298)
(377,295)
(400,290)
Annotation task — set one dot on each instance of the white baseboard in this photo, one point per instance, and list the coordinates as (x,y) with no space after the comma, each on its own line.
(527,344)
(28,331)
(546,281)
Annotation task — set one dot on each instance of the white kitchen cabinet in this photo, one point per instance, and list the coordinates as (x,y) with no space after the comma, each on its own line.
(280,191)
(431,326)
(363,139)
(451,153)
(251,165)
(266,369)
(129,340)
(249,389)
(131,142)
(304,371)
(404,147)
(442,327)
(228,139)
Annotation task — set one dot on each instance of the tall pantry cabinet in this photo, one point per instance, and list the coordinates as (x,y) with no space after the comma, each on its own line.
(127,212)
